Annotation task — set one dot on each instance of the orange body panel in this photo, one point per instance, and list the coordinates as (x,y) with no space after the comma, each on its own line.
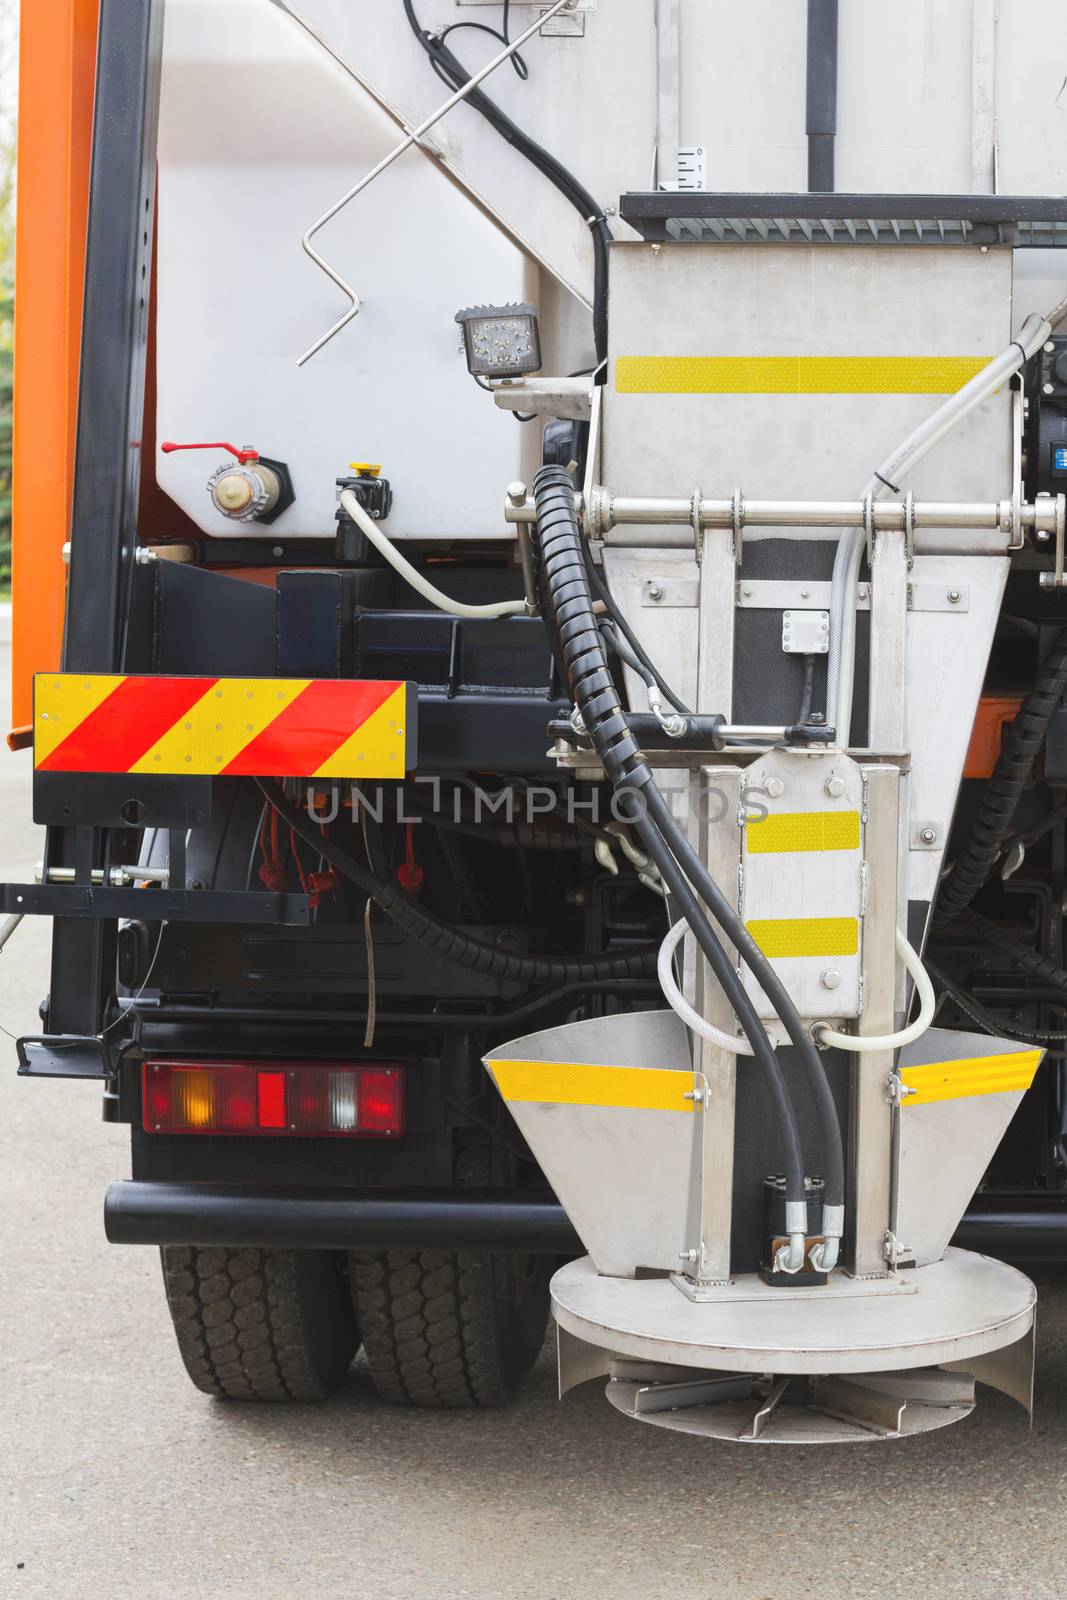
(57,70)
(994,713)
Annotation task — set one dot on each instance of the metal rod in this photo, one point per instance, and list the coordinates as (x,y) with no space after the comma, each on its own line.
(606,510)
(117,877)
(338,1219)
(406,143)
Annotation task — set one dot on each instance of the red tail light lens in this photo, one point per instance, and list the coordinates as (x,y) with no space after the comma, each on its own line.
(301,1098)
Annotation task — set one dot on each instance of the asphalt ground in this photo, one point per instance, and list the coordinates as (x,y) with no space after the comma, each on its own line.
(124,1483)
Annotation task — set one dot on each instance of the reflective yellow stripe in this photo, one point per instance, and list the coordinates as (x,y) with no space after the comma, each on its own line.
(806,936)
(953,1080)
(575,1084)
(222,722)
(795,374)
(61,702)
(376,746)
(803,830)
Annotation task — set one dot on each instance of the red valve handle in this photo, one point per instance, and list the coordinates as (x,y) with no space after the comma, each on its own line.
(243,456)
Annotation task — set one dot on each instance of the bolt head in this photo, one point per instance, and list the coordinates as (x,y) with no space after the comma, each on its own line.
(835,787)
(928,835)
(830,979)
(774,787)
(516,493)
(654,591)
(1049,347)
(1048,388)
(953,596)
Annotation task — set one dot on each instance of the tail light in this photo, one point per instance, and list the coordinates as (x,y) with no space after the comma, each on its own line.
(276,1098)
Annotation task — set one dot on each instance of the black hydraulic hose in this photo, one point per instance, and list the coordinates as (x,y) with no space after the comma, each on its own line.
(452,71)
(727,978)
(1022,741)
(1038,966)
(808,693)
(772,986)
(451,943)
(604,594)
(570,610)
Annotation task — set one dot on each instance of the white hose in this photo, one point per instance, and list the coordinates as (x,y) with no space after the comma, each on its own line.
(421,584)
(826,1035)
(677,1001)
(890,1041)
(841,658)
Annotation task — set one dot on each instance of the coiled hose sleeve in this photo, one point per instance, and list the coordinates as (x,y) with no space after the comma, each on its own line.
(1022,742)
(451,943)
(570,612)
(1028,960)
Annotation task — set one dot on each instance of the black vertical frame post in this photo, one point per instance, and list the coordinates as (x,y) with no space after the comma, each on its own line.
(821,122)
(103,533)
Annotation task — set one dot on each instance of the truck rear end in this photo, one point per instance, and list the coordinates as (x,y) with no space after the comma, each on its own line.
(547,701)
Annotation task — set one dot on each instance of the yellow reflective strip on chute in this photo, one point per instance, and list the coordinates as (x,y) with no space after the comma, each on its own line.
(780,938)
(576,1084)
(221,723)
(795,374)
(955,1080)
(803,830)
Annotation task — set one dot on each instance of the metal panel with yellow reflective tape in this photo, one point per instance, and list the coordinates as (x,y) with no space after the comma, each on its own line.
(959,1092)
(795,374)
(783,937)
(973,1075)
(227,727)
(802,879)
(581,1084)
(786,832)
(602,1105)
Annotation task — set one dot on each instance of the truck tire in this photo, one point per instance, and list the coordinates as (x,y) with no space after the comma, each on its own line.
(446,1330)
(261,1324)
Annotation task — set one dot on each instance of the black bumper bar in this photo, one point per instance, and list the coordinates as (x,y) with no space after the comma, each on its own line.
(448,1219)
(332,1219)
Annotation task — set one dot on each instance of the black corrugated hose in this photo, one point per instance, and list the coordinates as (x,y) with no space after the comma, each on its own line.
(570,612)
(451,943)
(1011,774)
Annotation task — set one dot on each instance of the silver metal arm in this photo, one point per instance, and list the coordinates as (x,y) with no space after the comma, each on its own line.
(406,143)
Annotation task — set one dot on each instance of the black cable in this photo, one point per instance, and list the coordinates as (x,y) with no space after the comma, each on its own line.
(452,944)
(618,644)
(987,1020)
(1022,741)
(808,692)
(570,610)
(1038,966)
(503,37)
(454,74)
(604,594)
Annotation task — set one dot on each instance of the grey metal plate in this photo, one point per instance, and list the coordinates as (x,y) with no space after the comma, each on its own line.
(963,1306)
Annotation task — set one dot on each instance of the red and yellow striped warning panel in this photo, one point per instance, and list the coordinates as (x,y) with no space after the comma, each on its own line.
(230,727)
